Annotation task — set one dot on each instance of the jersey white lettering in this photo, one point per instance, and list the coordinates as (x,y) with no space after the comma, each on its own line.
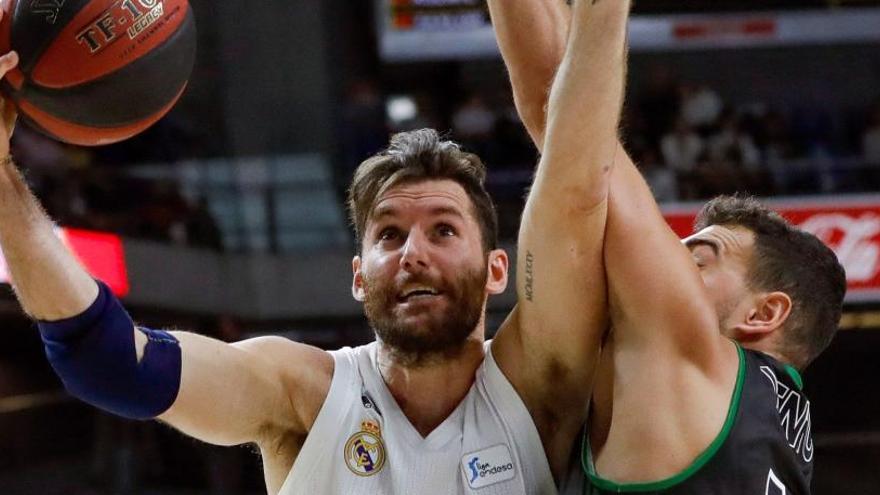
(794,415)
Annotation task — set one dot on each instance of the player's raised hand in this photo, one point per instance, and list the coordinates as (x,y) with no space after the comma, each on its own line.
(8,62)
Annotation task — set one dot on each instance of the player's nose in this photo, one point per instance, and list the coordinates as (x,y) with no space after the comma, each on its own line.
(414,256)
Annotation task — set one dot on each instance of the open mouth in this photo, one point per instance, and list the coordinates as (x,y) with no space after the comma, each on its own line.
(417,293)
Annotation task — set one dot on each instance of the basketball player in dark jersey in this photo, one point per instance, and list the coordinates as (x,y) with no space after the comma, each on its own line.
(698,389)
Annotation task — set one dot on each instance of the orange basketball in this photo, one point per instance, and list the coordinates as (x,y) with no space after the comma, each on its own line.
(95,72)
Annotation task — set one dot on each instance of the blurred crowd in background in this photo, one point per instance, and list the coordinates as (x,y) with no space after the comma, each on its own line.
(93,189)
(691,138)
(693,144)
(689,141)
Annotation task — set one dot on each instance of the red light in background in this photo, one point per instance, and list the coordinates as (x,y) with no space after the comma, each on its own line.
(103,256)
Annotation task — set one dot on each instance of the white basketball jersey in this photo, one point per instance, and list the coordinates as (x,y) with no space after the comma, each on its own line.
(362,443)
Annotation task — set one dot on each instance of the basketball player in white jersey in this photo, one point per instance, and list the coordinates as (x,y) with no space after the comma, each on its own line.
(429,407)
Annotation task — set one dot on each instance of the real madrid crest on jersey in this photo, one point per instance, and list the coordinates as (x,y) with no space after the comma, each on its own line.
(364,451)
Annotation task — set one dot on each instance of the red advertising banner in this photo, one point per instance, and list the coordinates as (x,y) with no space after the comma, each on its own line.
(848,225)
(101,253)
(721,28)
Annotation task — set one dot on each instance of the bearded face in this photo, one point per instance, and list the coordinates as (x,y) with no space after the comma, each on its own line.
(423,273)
(421,318)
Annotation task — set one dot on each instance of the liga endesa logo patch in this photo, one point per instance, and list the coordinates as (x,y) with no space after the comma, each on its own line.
(488,466)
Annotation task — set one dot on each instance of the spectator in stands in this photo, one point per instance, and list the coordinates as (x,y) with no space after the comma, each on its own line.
(700,106)
(682,148)
(730,143)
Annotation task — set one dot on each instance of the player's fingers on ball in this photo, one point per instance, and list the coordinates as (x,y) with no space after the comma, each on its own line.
(8,62)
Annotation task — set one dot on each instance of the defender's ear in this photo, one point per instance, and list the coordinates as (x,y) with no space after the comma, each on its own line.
(496,275)
(357,283)
(768,314)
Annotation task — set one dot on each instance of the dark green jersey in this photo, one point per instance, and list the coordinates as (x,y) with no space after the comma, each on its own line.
(764,448)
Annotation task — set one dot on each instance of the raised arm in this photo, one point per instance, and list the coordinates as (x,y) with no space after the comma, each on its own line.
(531,35)
(666,341)
(226,394)
(553,335)
(528,33)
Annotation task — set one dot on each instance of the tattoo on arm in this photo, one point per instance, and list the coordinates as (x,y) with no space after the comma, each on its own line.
(530,279)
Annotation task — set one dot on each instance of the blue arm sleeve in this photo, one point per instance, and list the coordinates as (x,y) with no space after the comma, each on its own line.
(94,355)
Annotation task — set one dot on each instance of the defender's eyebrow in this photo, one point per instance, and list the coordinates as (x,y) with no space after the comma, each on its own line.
(692,243)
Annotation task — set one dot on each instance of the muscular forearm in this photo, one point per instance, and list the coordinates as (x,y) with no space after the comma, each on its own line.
(586,98)
(531,35)
(48,280)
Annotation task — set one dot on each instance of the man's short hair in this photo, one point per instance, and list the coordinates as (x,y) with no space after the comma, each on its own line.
(418,156)
(792,261)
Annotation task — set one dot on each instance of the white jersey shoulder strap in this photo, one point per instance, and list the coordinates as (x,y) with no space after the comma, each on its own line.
(344,389)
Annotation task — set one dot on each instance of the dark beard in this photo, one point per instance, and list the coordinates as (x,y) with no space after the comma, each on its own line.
(442,337)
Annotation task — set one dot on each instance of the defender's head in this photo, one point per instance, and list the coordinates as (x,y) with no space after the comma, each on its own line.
(776,288)
(427,235)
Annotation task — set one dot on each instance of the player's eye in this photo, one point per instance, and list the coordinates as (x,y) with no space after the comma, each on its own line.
(446,230)
(388,234)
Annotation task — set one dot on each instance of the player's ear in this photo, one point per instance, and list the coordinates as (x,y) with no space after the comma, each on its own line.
(768,314)
(496,275)
(357,282)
